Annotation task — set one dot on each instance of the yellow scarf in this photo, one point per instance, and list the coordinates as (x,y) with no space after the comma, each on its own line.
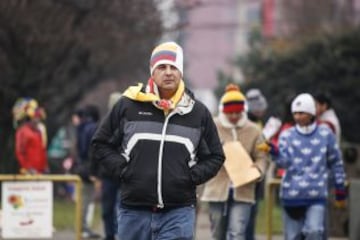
(151,95)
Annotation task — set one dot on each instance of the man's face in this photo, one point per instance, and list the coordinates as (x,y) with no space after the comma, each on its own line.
(167,78)
(302,118)
(75,119)
(233,117)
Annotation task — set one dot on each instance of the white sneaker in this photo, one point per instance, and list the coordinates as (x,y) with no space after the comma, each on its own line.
(90,235)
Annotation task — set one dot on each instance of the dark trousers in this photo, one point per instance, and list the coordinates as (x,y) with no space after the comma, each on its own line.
(108,203)
(250,229)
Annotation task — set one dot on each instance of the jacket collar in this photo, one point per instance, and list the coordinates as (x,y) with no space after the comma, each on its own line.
(182,102)
(306,130)
(225,122)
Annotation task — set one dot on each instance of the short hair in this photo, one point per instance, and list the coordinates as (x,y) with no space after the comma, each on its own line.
(80,112)
(323,98)
(92,112)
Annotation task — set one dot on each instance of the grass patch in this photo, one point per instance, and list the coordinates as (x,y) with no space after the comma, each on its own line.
(276,220)
(64,214)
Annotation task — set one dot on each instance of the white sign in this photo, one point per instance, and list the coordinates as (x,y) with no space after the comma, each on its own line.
(27,209)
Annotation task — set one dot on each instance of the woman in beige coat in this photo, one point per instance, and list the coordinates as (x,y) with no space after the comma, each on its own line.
(229,207)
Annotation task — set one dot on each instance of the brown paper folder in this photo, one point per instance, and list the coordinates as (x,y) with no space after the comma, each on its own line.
(239,165)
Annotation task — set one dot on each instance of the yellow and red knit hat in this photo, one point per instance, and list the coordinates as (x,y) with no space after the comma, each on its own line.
(167,53)
(27,107)
(232,100)
(24,107)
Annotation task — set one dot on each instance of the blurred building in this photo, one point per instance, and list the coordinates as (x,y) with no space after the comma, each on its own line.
(213,34)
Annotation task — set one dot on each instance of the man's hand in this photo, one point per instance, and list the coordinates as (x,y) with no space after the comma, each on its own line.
(268,147)
(97,185)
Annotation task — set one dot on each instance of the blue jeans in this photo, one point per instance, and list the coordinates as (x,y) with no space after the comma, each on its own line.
(229,219)
(174,224)
(310,226)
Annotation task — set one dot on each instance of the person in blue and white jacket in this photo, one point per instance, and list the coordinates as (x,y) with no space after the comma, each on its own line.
(309,153)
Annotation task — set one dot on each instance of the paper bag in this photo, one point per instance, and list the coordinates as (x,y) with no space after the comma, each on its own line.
(239,165)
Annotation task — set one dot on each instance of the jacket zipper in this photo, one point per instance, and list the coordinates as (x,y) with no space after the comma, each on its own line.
(161,149)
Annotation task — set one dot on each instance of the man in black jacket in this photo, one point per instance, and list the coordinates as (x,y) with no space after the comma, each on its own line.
(160,142)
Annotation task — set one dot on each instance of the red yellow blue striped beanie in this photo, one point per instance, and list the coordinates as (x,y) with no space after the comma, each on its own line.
(167,53)
(232,100)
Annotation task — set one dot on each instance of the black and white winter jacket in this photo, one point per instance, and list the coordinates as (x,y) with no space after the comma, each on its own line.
(158,159)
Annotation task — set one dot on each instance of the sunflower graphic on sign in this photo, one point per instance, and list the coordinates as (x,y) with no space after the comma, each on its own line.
(16,201)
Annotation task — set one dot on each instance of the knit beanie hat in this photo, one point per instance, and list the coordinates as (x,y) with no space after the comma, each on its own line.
(232,100)
(27,107)
(304,103)
(167,53)
(255,100)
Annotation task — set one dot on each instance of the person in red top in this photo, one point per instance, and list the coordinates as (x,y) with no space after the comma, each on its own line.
(30,147)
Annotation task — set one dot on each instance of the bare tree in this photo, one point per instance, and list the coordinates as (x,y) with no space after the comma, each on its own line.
(57,50)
